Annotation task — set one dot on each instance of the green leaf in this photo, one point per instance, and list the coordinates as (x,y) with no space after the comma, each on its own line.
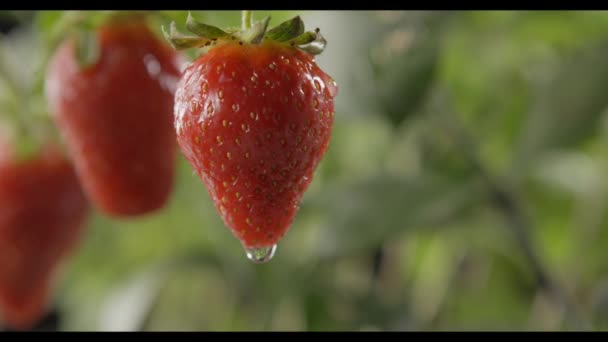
(382,207)
(404,81)
(287,30)
(53,26)
(46,20)
(204,30)
(569,107)
(404,62)
(87,48)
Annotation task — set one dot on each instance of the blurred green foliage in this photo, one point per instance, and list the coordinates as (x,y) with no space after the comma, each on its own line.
(462,141)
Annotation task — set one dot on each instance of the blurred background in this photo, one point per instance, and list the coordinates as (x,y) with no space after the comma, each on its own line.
(465,189)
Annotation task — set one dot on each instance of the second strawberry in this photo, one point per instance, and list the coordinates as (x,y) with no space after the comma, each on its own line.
(116,116)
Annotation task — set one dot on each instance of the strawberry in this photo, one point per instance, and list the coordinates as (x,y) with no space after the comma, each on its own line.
(254,119)
(115,115)
(43,212)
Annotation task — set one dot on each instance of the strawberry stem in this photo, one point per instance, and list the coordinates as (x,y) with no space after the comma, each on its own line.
(18,111)
(16,93)
(247,19)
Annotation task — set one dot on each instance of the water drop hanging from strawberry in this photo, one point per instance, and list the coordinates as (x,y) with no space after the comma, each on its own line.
(253,116)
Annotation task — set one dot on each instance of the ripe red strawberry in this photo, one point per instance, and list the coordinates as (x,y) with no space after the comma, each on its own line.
(43,212)
(254,120)
(116,116)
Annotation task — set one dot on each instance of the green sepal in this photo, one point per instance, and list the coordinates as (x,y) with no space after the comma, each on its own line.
(256,33)
(291,32)
(180,41)
(311,42)
(87,47)
(204,30)
(287,30)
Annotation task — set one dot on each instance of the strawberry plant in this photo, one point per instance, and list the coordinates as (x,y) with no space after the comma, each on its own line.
(43,210)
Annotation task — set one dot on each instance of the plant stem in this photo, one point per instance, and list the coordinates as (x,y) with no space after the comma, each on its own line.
(247,19)
(520,226)
(19,116)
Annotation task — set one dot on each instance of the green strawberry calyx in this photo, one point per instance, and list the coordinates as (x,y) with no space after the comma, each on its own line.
(290,32)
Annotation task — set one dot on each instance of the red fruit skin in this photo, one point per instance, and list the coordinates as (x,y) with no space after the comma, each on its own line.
(43,212)
(116,117)
(254,121)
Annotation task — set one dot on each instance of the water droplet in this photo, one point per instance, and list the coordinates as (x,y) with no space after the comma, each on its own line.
(332,86)
(317,85)
(260,255)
